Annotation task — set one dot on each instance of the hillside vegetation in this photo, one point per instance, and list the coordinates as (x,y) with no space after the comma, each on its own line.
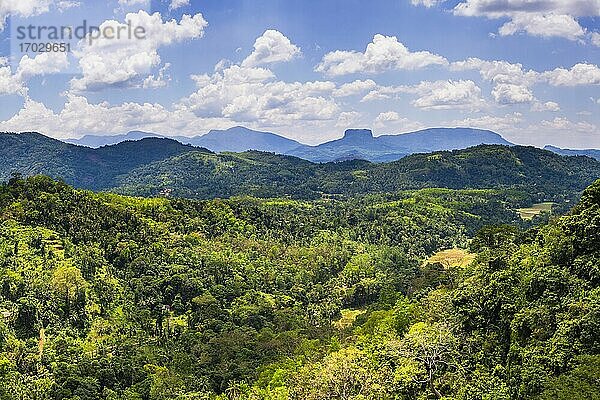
(111,297)
(159,167)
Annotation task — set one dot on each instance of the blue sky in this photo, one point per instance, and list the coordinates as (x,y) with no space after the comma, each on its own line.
(527,69)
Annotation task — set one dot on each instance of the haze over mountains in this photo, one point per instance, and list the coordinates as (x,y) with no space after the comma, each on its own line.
(356,143)
(593,153)
(159,166)
(234,139)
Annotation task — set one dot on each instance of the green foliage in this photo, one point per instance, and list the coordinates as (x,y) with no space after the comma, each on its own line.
(110,297)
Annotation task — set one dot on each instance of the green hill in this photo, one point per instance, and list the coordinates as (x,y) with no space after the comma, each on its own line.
(32,153)
(544,175)
(155,166)
(111,297)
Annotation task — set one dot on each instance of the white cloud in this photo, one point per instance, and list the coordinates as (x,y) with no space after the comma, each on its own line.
(498,123)
(79,116)
(126,61)
(67,4)
(42,64)
(506,93)
(511,82)
(354,88)
(508,8)
(348,119)
(175,4)
(9,83)
(271,47)
(133,3)
(426,3)
(383,93)
(497,71)
(579,74)
(382,54)
(437,95)
(159,80)
(535,17)
(22,8)
(565,125)
(387,116)
(595,38)
(445,95)
(543,25)
(247,94)
(392,120)
(547,106)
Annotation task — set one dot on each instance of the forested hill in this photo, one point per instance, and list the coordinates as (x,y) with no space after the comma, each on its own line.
(155,166)
(543,174)
(110,297)
(32,153)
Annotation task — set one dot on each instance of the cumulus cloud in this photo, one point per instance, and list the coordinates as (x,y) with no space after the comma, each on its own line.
(445,95)
(161,79)
(426,3)
(387,116)
(175,4)
(499,123)
(512,83)
(253,94)
(563,124)
(543,25)
(546,18)
(42,64)
(547,106)
(9,83)
(579,74)
(348,119)
(271,47)
(22,8)
(382,54)
(508,8)
(126,61)
(80,116)
(393,120)
(354,88)
(497,71)
(506,93)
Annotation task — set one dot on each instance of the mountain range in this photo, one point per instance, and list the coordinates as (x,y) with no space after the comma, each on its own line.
(593,153)
(355,144)
(159,166)
(234,139)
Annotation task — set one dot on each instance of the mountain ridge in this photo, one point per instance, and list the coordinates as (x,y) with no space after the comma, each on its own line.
(159,166)
(593,153)
(355,144)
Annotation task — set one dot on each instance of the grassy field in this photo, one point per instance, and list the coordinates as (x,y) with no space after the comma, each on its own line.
(451,258)
(536,209)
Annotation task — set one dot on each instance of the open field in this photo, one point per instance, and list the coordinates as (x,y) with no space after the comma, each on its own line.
(451,258)
(536,209)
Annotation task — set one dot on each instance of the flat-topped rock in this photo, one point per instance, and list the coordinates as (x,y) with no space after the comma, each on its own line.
(358,135)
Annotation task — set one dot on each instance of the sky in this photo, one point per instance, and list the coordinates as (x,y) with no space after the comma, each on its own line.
(308,70)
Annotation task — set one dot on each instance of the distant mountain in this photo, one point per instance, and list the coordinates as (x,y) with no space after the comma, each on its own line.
(360,143)
(31,153)
(239,138)
(236,139)
(356,144)
(593,153)
(541,175)
(152,166)
(95,141)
